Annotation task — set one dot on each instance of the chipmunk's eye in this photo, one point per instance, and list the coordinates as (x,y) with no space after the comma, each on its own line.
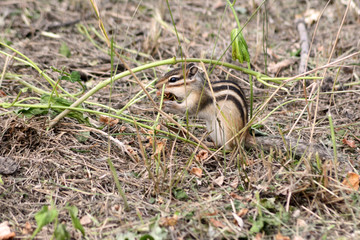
(173,79)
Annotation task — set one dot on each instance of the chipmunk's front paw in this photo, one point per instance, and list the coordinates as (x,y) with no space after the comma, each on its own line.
(171,107)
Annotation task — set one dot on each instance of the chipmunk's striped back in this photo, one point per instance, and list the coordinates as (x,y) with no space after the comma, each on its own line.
(230,91)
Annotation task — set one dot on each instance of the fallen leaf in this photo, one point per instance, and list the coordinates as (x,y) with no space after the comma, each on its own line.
(238,220)
(350,143)
(234,183)
(258,236)
(216,223)
(132,152)
(122,129)
(27,229)
(279,236)
(218,4)
(301,223)
(235,196)
(352,181)
(2,93)
(5,232)
(243,212)
(202,155)
(298,238)
(159,147)
(212,213)
(168,221)
(108,120)
(196,171)
(220,180)
(85,220)
(272,54)
(276,67)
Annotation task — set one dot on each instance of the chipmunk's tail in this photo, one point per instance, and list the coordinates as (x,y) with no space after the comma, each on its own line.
(296,147)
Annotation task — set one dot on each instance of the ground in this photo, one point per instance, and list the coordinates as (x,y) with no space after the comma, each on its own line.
(119,142)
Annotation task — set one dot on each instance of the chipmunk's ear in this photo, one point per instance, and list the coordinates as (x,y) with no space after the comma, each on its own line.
(192,69)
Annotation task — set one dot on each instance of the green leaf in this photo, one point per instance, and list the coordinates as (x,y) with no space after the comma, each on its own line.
(268,203)
(75,220)
(257,226)
(156,233)
(44,217)
(57,101)
(61,233)
(180,194)
(126,236)
(74,76)
(147,237)
(64,50)
(30,112)
(239,46)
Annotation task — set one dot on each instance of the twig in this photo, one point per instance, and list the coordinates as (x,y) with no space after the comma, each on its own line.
(119,144)
(4,68)
(304,44)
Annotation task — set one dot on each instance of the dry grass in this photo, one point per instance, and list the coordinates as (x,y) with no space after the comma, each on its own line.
(272,193)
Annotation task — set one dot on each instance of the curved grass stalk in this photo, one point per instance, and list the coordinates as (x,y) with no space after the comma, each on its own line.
(128,120)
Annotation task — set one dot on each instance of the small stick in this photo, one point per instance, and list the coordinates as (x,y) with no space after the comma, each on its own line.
(304,44)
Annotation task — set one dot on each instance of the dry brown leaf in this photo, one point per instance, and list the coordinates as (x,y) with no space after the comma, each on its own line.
(298,238)
(276,67)
(218,4)
(196,171)
(202,155)
(234,195)
(5,232)
(258,236)
(243,212)
(122,129)
(85,220)
(279,236)
(132,152)
(234,183)
(108,120)
(212,213)
(220,180)
(2,93)
(352,181)
(272,54)
(27,229)
(168,221)
(350,143)
(159,147)
(301,223)
(216,223)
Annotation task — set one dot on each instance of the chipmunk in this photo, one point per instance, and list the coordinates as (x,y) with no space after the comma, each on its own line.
(224,108)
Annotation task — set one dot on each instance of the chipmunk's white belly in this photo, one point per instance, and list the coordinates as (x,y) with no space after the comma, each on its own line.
(217,133)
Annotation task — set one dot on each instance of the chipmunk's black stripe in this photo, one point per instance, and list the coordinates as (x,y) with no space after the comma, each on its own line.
(235,88)
(237,103)
(231,83)
(228,85)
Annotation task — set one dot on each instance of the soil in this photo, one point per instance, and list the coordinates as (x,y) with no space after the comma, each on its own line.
(174,189)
